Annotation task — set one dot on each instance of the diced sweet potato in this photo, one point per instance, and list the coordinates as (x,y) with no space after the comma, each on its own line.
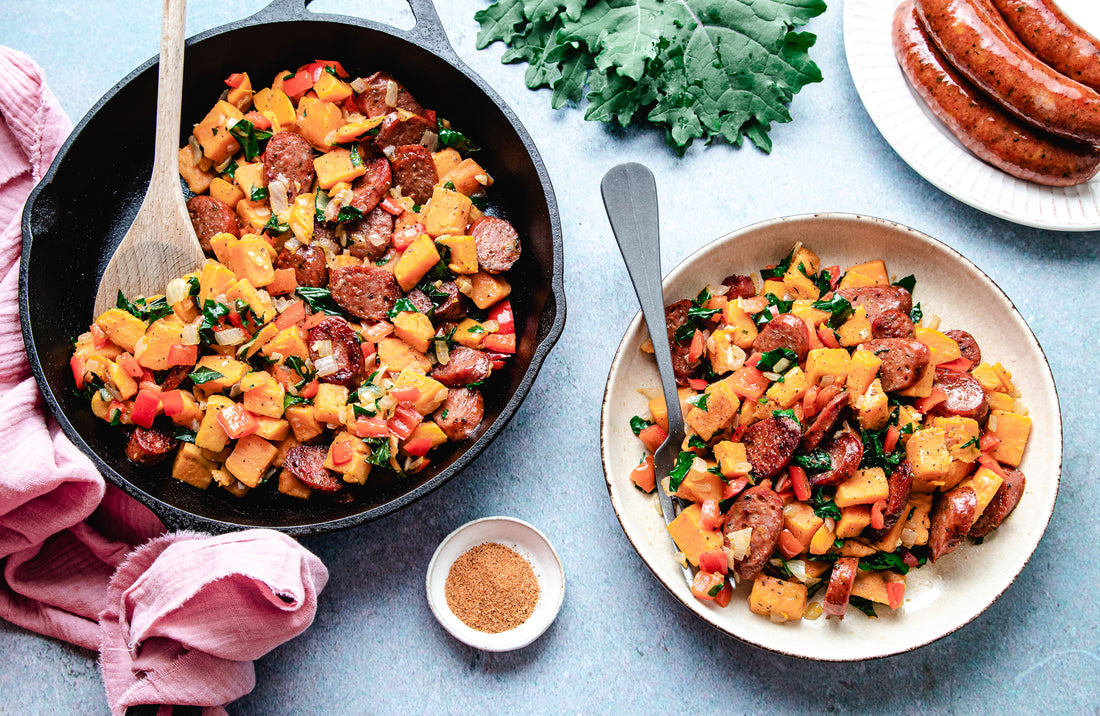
(448,213)
(985,484)
(467,177)
(302,422)
(790,390)
(316,118)
(873,407)
(852,520)
(415,261)
(330,403)
(485,289)
(862,371)
(777,598)
(414,328)
(744,330)
(832,362)
(250,459)
(463,256)
(865,487)
(1013,430)
(213,135)
(940,347)
(869,273)
(191,467)
(151,350)
(398,355)
(432,392)
(262,394)
(699,485)
(690,536)
(276,102)
(292,486)
(337,166)
(732,458)
(291,341)
(856,329)
(226,193)
(121,327)
(927,453)
(800,520)
(197,177)
(210,435)
(250,258)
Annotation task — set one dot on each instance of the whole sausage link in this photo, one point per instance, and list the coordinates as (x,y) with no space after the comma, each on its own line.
(1054,38)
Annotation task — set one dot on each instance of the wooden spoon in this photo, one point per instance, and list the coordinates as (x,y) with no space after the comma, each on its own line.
(161,243)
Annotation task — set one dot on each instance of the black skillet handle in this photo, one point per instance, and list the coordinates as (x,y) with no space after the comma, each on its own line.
(427,32)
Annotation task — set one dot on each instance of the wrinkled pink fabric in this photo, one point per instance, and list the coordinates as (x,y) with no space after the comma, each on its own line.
(178,620)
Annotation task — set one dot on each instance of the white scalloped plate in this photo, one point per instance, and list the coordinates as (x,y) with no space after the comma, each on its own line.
(939,598)
(925,145)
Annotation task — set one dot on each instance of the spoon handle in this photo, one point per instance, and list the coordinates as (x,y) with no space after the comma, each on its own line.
(169,91)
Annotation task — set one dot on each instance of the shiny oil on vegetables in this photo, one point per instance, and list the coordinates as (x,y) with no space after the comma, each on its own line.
(353,303)
(837,437)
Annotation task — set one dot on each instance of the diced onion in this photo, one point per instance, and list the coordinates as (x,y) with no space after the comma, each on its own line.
(933,321)
(386,402)
(699,464)
(771,376)
(740,541)
(196,150)
(830,524)
(189,336)
(429,140)
(323,348)
(908,537)
(277,193)
(681,558)
(781,365)
(223,165)
(235,390)
(389,150)
(731,561)
(991,425)
(175,291)
(292,243)
(718,290)
(391,93)
(482,178)
(326,365)
(442,353)
(798,570)
(231,337)
(1019,408)
(359,85)
(282,302)
(813,611)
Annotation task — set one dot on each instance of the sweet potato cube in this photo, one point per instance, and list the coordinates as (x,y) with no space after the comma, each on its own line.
(713,412)
(873,408)
(123,328)
(213,135)
(232,370)
(302,423)
(272,429)
(960,435)
(210,435)
(191,467)
(448,213)
(1000,401)
(250,459)
(432,392)
(250,258)
(927,453)
(316,118)
(733,459)
(445,159)
(923,387)
(852,521)
(337,166)
(221,243)
(856,329)
(463,256)
(399,355)
(357,468)
(241,95)
(941,347)
(865,487)
(485,289)
(852,548)
(872,586)
(823,539)
(253,215)
(725,355)
(428,431)
(191,411)
(470,333)
(356,130)
(778,599)
(292,486)
(151,350)
(226,193)
(302,215)
(121,380)
(699,485)
(330,403)
(799,519)
(956,472)
(690,536)
(827,365)
(1013,430)
(869,273)
(788,392)
(275,101)
(249,177)
(795,280)
(415,329)
(861,373)
(197,177)
(214,280)
(245,291)
(984,374)
(467,177)
(291,341)
(331,89)
(985,484)
(803,308)
(738,321)
(262,394)
(658,412)
(417,260)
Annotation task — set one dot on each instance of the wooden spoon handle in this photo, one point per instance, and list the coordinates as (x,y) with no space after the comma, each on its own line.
(169,92)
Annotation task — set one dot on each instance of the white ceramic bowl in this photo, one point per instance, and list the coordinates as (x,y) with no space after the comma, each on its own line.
(939,598)
(530,544)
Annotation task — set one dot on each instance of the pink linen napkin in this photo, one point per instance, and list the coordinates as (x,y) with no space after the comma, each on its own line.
(178,620)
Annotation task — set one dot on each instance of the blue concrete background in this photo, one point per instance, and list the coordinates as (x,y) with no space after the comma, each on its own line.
(621,643)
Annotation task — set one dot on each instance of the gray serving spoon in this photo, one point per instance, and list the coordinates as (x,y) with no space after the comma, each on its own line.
(630,199)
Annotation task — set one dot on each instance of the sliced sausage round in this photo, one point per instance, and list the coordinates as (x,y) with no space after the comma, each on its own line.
(307,463)
(952,518)
(210,216)
(460,413)
(370,236)
(466,366)
(965,395)
(367,292)
(845,452)
(497,244)
(372,100)
(1003,503)
(414,171)
(149,446)
(289,158)
(876,299)
(770,444)
(761,509)
(676,315)
(175,376)
(309,264)
(892,324)
(968,345)
(451,308)
(420,299)
(740,286)
(839,591)
(369,189)
(904,361)
(784,331)
(396,131)
(344,343)
(824,422)
(900,482)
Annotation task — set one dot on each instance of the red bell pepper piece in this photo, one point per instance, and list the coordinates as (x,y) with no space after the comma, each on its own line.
(834,276)
(937,396)
(341,453)
(734,487)
(429,114)
(258,120)
(148,382)
(145,408)
(235,319)
(959,365)
(371,427)
(404,421)
(172,402)
(652,437)
(182,355)
(696,348)
(989,462)
(827,336)
(877,519)
(310,389)
(789,545)
(391,206)
(643,475)
(697,383)
(402,238)
(799,483)
(406,395)
(367,349)
(714,561)
(292,315)
(707,585)
(418,447)
(502,314)
(712,517)
(297,85)
(988,441)
(234,80)
(891,440)
(77,363)
(236,421)
(895,592)
(501,343)
(99,338)
(130,366)
(724,596)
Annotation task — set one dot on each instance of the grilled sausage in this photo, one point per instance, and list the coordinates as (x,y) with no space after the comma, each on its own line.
(761,509)
(364,291)
(770,444)
(372,101)
(892,324)
(370,236)
(497,244)
(414,171)
(1003,503)
(676,315)
(839,591)
(740,286)
(952,517)
(309,264)
(175,377)
(209,216)
(289,158)
(965,395)
(824,422)
(344,343)
(784,331)
(369,189)
(307,463)
(460,413)
(396,131)
(999,65)
(1054,38)
(904,361)
(149,446)
(967,345)
(994,135)
(466,366)
(900,482)
(878,299)
(845,451)
(451,308)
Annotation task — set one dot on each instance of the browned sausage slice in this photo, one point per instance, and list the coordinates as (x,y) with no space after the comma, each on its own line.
(175,377)
(892,324)
(784,331)
(396,131)
(289,158)
(761,509)
(343,343)
(370,236)
(466,366)
(839,591)
(307,463)
(965,395)
(209,216)
(460,413)
(824,422)
(676,315)
(451,308)
(369,189)
(497,244)
(309,264)
(1003,503)
(901,485)
(149,446)
(364,291)
(952,517)
(876,299)
(372,101)
(904,361)
(968,345)
(414,171)
(845,451)
(740,286)
(770,444)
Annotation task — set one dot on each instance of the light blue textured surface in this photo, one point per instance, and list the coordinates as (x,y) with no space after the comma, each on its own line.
(621,643)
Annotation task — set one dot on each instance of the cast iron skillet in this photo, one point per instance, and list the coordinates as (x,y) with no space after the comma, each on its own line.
(79,212)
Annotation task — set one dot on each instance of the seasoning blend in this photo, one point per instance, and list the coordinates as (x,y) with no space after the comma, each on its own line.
(492,588)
